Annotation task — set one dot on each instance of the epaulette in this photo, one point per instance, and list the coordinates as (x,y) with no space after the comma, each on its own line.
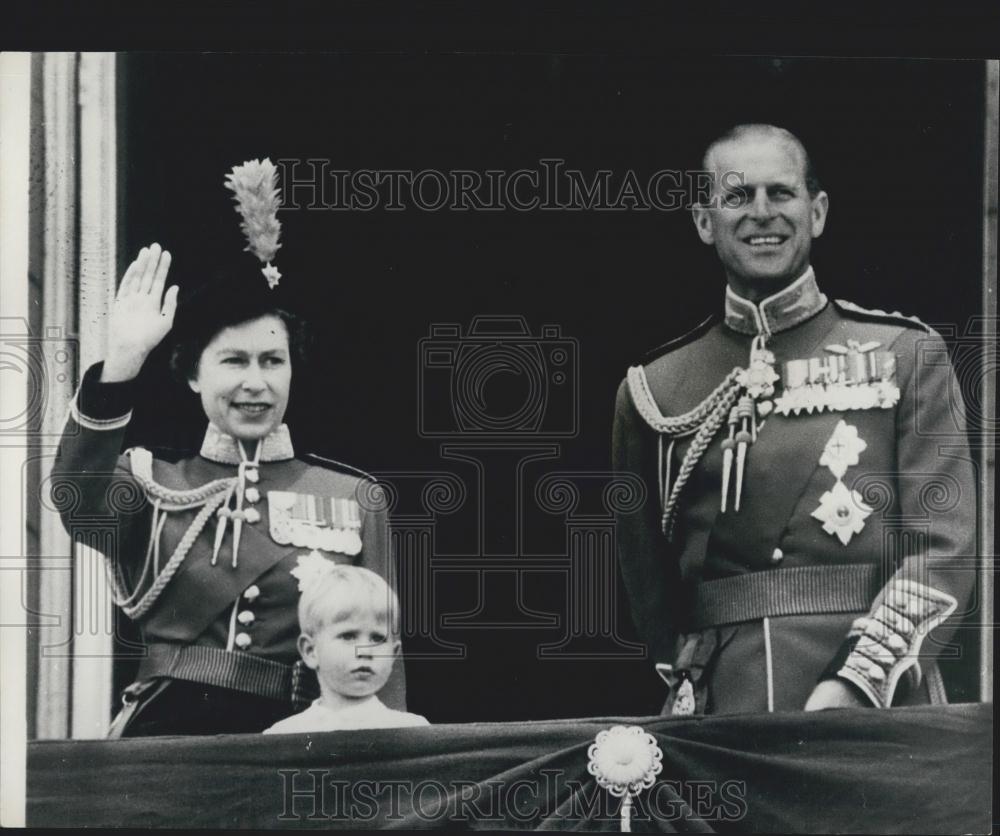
(872,315)
(677,342)
(333,464)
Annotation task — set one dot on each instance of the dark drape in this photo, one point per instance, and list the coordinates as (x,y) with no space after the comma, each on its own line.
(906,770)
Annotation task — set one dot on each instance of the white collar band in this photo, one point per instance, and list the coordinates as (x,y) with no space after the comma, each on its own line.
(221,447)
(791,305)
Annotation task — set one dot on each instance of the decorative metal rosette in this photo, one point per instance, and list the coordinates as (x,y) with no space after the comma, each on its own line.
(625,760)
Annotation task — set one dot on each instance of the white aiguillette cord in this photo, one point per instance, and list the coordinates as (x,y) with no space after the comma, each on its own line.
(704,421)
(225,513)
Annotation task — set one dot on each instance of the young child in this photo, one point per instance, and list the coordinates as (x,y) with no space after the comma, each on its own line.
(346,617)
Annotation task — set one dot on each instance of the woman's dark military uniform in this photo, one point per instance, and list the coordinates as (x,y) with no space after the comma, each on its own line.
(221,639)
(784,594)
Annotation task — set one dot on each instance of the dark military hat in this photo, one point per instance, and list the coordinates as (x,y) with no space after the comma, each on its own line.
(231,295)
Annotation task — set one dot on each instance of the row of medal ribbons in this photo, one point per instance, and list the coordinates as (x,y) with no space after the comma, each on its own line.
(839,382)
(304,536)
(315,522)
(852,368)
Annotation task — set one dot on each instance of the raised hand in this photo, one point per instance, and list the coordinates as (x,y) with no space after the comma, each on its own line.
(141,315)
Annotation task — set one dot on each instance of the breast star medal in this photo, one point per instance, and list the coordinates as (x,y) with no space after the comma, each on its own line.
(842,510)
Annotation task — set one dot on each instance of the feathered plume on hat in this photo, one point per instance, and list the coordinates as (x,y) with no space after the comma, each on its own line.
(255,184)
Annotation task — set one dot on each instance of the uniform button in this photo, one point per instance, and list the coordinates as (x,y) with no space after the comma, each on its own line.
(251,592)
(252,494)
(251,515)
(777,556)
(245,617)
(252,475)
(243,640)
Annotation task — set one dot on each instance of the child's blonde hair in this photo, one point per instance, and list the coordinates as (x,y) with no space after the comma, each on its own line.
(343,590)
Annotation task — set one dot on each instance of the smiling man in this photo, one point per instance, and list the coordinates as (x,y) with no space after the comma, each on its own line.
(766,211)
(789,555)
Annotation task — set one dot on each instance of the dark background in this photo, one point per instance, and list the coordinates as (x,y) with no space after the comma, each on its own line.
(896,143)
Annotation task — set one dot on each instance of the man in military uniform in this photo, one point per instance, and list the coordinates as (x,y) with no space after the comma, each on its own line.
(806,528)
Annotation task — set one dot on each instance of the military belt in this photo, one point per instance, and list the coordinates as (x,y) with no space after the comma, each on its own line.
(225,669)
(801,590)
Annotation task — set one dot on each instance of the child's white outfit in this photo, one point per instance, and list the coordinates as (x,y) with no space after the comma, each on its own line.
(368,714)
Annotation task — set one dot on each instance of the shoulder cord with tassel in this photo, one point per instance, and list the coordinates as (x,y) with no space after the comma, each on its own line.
(209,496)
(703,421)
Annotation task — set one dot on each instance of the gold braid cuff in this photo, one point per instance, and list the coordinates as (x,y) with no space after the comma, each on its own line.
(888,640)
